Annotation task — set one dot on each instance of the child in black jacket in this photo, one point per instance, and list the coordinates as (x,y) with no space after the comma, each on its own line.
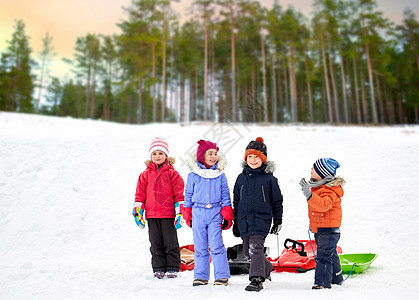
(257,200)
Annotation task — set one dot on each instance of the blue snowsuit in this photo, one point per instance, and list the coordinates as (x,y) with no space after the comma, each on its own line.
(206,191)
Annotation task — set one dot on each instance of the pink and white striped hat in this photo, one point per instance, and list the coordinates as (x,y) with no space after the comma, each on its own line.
(159,143)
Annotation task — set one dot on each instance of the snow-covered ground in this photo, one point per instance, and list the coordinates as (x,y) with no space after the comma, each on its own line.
(67,187)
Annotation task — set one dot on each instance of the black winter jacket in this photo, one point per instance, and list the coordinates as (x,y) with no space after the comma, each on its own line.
(257,199)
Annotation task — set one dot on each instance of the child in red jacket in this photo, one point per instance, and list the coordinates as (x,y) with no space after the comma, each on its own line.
(323,193)
(159,194)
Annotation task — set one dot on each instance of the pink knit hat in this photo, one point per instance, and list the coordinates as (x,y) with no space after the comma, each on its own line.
(202,148)
(159,143)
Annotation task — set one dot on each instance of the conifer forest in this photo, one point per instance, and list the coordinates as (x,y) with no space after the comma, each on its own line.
(228,61)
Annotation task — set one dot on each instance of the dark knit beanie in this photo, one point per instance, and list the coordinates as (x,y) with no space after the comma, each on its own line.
(258,148)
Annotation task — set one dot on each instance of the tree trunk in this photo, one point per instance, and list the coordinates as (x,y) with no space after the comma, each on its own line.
(281,99)
(389,100)
(205,68)
(363,97)
(140,86)
(310,100)
(350,96)
(233,66)
(171,100)
(284,67)
(370,77)
(153,72)
(163,89)
(324,103)
(92,107)
(293,85)
(400,104)
(273,93)
(357,104)
(140,100)
(182,100)
(380,100)
(40,85)
(86,113)
(213,82)
(345,100)
(334,88)
(326,80)
(265,92)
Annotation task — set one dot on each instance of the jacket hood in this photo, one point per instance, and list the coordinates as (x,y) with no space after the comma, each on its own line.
(335,185)
(170,161)
(194,166)
(335,182)
(269,169)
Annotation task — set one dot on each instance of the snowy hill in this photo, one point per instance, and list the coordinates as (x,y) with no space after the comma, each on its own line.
(67,187)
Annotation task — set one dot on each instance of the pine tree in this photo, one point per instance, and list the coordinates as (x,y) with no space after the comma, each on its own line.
(16,79)
(45,57)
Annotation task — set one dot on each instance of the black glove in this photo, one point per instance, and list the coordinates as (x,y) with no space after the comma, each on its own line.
(236,231)
(276,227)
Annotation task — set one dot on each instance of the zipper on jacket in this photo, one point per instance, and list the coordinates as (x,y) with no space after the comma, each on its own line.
(263,193)
(241,191)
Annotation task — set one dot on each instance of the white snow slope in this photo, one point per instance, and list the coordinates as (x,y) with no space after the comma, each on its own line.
(67,188)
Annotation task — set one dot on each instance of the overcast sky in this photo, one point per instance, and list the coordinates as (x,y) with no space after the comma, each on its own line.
(65,20)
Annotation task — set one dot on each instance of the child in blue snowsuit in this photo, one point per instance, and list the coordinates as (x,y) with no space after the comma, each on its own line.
(207,209)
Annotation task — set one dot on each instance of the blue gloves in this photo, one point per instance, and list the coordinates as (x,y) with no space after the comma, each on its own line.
(138,213)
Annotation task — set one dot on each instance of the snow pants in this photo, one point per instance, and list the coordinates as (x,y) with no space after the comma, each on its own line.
(328,269)
(165,252)
(253,247)
(207,234)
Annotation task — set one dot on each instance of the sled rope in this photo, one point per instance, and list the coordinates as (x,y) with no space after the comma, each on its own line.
(353,266)
(311,243)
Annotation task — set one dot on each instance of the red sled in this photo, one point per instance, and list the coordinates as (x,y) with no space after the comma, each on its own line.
(297,257)
(187,257)
(187,254)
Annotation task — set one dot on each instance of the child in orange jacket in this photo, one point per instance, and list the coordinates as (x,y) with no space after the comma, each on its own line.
(323,193)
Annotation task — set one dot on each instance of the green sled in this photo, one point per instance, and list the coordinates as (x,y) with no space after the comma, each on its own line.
(362,262)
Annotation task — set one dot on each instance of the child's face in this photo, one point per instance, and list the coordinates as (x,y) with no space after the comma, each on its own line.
(314,175)
(158,157)
(211,157)
(254,161)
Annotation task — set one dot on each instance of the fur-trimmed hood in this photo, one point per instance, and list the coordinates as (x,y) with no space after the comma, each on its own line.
(269,169)
(170,161)
(196,168)
(335,182)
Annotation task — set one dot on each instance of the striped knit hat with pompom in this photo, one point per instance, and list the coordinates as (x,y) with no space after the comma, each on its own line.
(258,148)
(325,167)
(159,143)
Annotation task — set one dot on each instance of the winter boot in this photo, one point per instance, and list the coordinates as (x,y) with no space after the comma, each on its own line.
(255,285)
(221,282)
(172,274)
(199,282)
(159,274)
(319,287)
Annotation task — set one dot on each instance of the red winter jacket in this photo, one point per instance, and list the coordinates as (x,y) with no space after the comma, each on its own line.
(324,209)
(160,189)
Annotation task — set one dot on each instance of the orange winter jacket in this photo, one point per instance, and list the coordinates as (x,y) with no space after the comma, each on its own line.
(324,209)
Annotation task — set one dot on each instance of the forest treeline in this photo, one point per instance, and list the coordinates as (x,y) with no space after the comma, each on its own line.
(232,60)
